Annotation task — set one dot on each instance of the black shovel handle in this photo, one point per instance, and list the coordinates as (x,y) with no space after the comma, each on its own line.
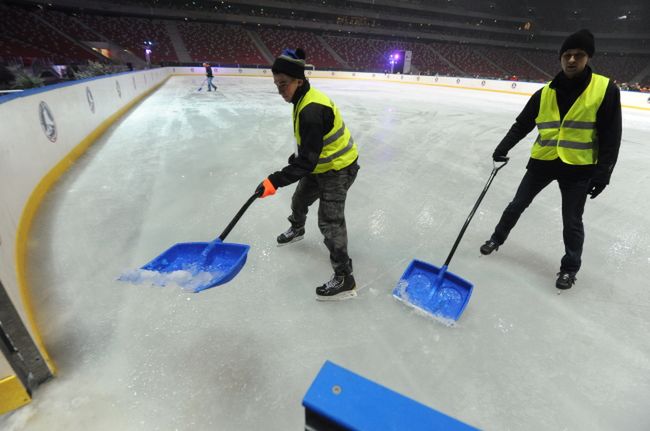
(495,169)
(241,212)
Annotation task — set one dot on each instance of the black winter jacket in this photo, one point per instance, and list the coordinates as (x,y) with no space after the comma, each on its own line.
(608,126)
(315,122)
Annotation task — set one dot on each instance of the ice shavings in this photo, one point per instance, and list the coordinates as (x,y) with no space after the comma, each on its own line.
(185,280)
(401,293)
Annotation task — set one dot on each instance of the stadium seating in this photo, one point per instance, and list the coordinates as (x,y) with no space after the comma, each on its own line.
(55,36)
(25,35)
(219,43)
(131,33)
(278,39)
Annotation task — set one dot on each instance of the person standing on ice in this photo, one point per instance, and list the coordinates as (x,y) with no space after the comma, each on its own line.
(209,77)
(578,117)
(325,166)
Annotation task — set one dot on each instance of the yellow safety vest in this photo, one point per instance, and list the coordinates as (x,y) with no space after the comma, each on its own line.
(574,140)
(339,149)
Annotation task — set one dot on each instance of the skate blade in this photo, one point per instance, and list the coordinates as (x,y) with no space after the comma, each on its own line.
(296,239)
(348,294)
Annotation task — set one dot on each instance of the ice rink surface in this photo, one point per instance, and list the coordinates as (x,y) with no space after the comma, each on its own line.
(241,356)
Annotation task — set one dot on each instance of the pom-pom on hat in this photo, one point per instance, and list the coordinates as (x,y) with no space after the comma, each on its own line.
(582,39)
(291,62)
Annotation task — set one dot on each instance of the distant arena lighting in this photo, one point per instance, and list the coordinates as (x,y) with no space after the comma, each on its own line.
(393,59)
(147,51)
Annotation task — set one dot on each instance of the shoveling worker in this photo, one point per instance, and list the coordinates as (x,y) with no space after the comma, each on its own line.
(209,76)
(578,117)
(325,166)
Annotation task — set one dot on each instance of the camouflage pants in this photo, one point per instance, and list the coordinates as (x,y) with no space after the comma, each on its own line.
(332,189)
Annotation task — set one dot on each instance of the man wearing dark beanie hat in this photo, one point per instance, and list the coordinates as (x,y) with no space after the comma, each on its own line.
(582,39)
(325,166)
(290,63)
(578,117)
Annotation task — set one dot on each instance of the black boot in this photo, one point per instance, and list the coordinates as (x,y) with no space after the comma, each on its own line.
(339,287)
(565,280)
(291,235)
(489,246)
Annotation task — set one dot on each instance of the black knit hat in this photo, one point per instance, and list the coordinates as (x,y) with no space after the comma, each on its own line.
(291,62)
(582,39)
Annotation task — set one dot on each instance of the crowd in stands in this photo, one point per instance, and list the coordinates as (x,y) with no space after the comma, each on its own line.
(60,36)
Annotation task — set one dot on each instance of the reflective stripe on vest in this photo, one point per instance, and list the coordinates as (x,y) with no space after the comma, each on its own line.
(339,149)
(574,140)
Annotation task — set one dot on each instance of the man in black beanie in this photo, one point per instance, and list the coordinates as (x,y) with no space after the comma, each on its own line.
(325,166)
(578,116)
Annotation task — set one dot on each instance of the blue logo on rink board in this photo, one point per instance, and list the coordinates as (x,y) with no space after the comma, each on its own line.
(47,121)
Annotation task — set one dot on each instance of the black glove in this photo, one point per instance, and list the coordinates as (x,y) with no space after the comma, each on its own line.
(499,155)
(595,188)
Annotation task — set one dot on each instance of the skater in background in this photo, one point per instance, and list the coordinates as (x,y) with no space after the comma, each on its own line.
(209,76)
(325,166)
(578,117)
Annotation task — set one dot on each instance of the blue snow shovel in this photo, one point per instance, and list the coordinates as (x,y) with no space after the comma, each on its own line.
(434,290)
(222,261)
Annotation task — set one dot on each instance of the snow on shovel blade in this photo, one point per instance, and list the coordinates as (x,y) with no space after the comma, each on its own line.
(223,261)
(433,290)
(197,265)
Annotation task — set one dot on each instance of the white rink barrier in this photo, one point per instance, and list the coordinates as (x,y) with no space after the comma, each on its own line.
(629,99)
(42,132)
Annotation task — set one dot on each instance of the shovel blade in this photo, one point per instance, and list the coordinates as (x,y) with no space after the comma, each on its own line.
(223,261)
(433,290)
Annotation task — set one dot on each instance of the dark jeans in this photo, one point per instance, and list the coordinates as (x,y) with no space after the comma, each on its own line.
(574,195)
(332,189)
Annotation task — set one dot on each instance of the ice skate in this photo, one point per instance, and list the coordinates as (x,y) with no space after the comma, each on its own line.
(339,287)
(291,235)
